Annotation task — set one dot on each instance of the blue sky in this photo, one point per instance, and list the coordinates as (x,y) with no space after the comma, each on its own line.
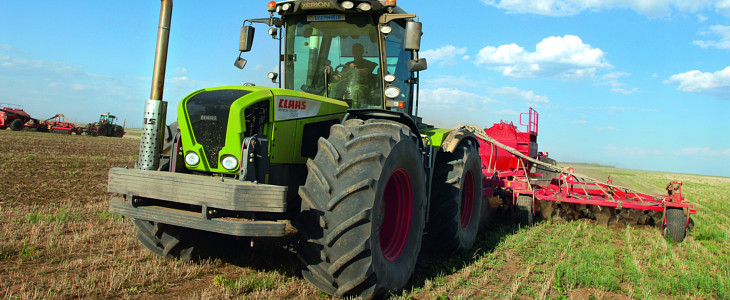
(641,84)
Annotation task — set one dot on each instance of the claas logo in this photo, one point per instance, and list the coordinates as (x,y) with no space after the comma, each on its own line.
(293,104)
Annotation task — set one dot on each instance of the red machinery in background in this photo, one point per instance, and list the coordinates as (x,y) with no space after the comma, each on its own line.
(60,124)
(14,117)
(519,178)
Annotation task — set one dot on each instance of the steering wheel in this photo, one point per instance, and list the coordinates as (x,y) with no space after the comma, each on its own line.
(348,78)
(338,69)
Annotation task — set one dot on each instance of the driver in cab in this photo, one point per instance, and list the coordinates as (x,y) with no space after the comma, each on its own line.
(364,66)
(353,82)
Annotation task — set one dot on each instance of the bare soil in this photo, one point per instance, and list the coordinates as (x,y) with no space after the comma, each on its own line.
(57,240)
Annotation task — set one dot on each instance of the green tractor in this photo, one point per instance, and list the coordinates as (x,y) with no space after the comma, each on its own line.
(106,126)
(336,152)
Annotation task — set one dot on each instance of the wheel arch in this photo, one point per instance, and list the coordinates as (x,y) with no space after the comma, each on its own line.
(366,114)
(454,138)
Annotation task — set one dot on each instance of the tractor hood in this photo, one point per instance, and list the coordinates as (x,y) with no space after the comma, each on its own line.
(214,122)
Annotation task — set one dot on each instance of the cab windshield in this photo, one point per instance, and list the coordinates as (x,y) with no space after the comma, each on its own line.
(346,46)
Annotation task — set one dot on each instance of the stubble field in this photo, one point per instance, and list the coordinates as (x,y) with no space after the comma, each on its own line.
(58,241)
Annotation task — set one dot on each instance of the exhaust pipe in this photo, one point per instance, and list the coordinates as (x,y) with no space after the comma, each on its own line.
(155,110)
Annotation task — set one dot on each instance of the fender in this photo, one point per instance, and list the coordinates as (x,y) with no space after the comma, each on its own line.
(399,117)
(455,137)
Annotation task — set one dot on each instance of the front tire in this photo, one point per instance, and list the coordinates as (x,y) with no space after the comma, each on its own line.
(456,200)
(363,209)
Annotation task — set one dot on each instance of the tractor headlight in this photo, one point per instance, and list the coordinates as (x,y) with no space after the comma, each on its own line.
(392,92)
(348,4)
(364,6)
(229,162)
(389,78)
(192,159)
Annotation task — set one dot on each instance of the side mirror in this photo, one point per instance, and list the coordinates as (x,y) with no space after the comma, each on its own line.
(417,65)
(413,36)
(240,63)
(246,40)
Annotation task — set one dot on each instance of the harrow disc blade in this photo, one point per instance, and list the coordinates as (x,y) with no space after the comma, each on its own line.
(604,215)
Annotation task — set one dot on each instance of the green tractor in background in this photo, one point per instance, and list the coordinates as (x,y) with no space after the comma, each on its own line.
(336,150)
(106,126)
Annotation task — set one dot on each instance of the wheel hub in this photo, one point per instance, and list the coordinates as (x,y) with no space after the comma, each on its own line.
(467,200)
(396,214)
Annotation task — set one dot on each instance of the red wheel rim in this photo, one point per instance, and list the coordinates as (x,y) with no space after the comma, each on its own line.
(467,200)
(396,211)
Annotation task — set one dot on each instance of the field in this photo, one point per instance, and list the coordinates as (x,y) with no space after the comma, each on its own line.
(58,241)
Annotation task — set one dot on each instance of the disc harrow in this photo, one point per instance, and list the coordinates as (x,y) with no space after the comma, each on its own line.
(532,186)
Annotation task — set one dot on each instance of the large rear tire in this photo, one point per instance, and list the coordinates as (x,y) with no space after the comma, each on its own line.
(118,131)
(456,200)
(16,125)
(363,209)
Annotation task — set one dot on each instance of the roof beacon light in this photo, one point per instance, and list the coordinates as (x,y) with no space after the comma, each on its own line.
(389,3)
(364,6)
(271,7)
(348,4)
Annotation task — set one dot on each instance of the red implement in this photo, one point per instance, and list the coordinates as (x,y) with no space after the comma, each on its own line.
(532,184)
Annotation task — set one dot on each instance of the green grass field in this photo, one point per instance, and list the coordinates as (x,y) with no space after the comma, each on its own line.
(583,260)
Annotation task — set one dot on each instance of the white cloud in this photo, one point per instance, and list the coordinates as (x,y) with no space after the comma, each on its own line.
(640,152)
(445,56)
(180,80)
(452,98)
(717,83)
(624,91)
(650,8)
(564,57)
(610,110)
(513,93)
(452,81)
(9,48)
(703,152)
(448,107)
(79,86)
(612,80)
(506,112)
(723,32)
(180,71)
(48,87)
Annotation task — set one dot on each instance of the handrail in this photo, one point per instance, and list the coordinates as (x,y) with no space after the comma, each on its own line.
(533,120)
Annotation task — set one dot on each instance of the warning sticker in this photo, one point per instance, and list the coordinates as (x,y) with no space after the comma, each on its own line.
(294,108)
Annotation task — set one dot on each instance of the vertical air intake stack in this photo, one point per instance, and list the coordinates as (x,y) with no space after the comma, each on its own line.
(155,109)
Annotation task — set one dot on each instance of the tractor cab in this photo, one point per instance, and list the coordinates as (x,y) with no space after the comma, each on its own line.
(107,119)
(362,53)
